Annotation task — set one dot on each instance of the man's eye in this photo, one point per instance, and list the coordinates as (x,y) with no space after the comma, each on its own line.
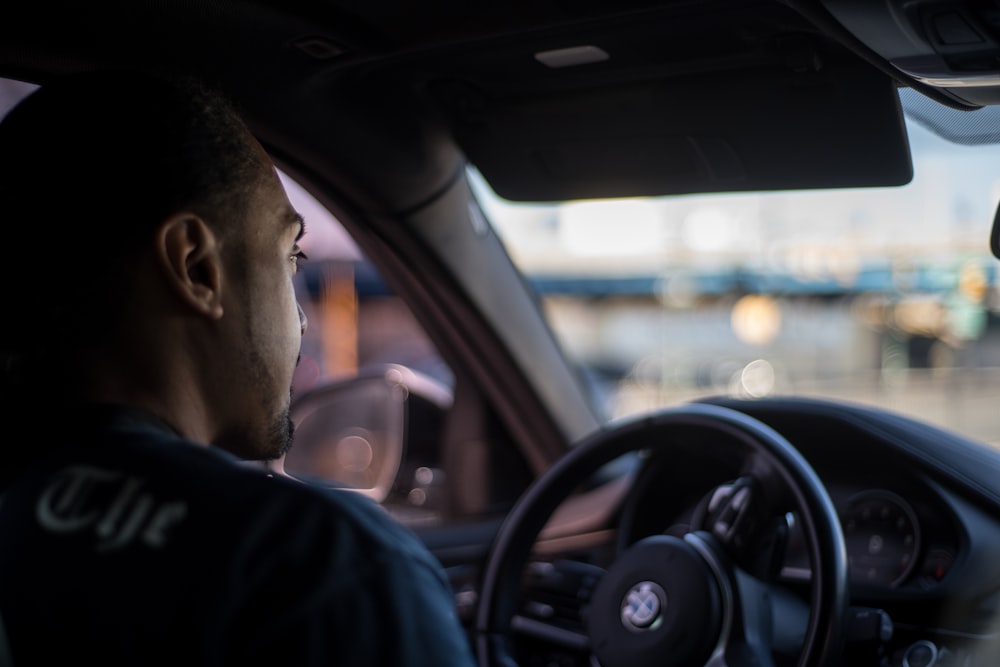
(298,257)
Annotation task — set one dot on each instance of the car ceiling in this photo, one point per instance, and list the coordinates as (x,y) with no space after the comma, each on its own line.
(388,99)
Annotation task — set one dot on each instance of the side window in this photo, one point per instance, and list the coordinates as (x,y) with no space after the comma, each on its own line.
(371,393)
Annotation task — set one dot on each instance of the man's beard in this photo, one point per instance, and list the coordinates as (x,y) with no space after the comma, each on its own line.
(279,437)
(269,446)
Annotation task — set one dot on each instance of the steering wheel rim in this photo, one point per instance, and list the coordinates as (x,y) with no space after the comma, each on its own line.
(828,594)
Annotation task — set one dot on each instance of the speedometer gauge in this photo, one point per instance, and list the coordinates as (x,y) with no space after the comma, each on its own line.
(883,538)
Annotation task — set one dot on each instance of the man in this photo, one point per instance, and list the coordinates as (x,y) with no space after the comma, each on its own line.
(150,355)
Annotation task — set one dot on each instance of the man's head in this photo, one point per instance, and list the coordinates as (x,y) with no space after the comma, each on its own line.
(141,215)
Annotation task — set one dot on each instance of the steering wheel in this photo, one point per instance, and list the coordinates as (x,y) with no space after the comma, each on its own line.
(675,601)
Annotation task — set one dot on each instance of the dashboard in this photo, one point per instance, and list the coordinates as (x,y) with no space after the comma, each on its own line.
(919,508)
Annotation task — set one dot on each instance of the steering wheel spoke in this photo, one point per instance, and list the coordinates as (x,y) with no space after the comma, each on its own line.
(761,618)
(550,634)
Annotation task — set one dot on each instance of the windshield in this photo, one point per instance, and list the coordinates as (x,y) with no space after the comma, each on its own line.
(882,296)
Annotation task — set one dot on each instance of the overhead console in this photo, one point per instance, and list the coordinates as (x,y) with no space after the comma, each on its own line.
(952,46)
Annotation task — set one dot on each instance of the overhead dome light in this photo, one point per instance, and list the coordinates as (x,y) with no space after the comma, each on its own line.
(572,56)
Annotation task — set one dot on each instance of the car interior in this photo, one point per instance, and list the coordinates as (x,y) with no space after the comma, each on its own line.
(684,505)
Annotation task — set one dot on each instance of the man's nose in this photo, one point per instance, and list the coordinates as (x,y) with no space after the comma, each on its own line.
(303,320)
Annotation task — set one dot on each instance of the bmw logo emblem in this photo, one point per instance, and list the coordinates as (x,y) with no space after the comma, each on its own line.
(642,607)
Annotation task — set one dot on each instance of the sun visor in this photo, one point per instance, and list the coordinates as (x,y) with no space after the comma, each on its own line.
(755,130)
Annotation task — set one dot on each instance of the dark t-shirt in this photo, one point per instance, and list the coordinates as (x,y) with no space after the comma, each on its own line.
(131,546)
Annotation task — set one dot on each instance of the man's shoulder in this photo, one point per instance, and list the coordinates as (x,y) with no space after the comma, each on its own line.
(351,515)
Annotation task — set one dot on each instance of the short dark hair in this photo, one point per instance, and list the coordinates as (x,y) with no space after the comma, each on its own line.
(89,165)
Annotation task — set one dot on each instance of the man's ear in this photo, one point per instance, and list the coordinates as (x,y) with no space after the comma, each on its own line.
(189,254)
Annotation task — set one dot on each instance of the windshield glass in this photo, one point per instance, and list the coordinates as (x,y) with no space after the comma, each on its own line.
(883,296)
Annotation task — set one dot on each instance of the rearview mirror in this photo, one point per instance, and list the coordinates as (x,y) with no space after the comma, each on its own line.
(995,234)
